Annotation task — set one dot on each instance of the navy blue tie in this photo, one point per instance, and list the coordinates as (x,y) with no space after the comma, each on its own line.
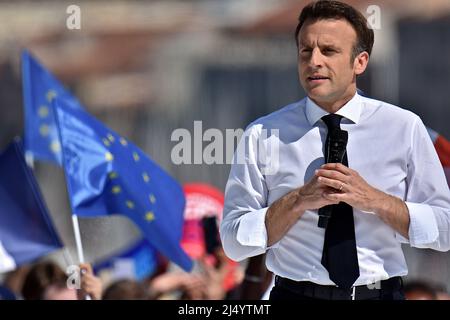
(339,255)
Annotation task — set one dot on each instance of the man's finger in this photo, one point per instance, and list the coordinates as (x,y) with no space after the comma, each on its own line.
(86,268)
(335,184)
(335,196)
(338,167)
(332,174)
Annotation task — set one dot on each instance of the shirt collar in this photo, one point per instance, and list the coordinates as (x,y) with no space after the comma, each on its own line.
(351,110)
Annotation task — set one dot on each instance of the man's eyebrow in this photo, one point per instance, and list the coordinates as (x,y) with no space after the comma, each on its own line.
(328,43)
(321,45)
(330,46)
(303,44)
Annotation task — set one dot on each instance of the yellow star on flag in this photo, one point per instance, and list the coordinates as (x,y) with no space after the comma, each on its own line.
(112,175)
(109,156)
(149,216)
(51,94)
(55,147)
(43,111)
(106,142)
(116,189)
(44,130)
(123,142)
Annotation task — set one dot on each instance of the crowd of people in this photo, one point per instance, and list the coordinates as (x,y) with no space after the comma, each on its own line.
(46,280)
(214,275)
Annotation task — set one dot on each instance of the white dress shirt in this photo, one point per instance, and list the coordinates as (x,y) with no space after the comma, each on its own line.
(388,146)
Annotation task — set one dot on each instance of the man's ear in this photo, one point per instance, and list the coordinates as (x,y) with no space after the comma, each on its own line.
(360,63)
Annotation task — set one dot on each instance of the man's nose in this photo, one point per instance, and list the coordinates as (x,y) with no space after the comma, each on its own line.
(316,58)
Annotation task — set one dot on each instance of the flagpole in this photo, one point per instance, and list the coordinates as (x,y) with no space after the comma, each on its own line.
(76,231)
(78,243)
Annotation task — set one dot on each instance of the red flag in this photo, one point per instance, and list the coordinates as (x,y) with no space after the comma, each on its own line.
(202,201)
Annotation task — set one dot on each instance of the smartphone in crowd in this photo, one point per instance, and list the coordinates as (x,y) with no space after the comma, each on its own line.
(211,233)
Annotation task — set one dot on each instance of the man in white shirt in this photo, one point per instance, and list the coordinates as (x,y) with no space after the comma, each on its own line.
(394,183)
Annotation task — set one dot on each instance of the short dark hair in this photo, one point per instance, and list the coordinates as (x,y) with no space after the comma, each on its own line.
(420,286)
(328,9)
(41,276)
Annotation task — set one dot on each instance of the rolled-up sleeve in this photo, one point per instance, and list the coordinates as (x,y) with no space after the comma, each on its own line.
(428,195)
(242,230)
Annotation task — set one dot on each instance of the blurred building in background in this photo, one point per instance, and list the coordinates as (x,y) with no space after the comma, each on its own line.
(146,68)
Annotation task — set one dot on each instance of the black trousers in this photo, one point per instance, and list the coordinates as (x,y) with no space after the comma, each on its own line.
(281,293)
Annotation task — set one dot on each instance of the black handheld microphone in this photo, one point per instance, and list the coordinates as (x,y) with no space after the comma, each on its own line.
(337,145)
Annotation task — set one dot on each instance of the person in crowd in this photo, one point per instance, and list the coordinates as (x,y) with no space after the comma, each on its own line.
(126,289)
(419,290)
(47,281)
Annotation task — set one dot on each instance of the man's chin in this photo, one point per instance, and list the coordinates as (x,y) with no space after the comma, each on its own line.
(319,95)
(322,99)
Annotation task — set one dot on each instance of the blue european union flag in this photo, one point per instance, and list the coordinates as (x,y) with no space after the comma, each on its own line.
(26,230)
(107,174)
(40,87)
